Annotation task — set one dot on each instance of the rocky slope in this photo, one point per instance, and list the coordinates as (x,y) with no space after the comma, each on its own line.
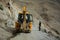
(46,11)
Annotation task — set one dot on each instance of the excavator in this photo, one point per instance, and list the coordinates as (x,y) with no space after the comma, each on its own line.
(24,22)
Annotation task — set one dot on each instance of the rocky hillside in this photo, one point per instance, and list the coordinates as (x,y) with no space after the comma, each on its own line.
(7,19)
(46,11)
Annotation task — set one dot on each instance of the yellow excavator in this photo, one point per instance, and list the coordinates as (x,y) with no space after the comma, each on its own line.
(24,22)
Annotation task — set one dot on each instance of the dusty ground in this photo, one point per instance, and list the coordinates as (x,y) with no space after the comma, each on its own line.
(34,35)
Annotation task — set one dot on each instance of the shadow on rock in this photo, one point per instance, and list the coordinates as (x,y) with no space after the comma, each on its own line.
(14,34)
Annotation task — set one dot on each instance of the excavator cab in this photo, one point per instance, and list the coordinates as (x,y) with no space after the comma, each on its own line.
(24,22)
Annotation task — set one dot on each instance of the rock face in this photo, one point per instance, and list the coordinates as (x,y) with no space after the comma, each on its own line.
(7,20)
